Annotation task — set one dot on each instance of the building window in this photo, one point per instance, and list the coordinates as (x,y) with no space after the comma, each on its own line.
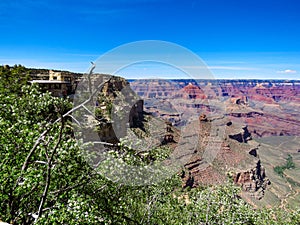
(54,77)
(56,86)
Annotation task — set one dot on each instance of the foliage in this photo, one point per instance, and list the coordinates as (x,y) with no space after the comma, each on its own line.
(41,166)
(129,154)
(288,165)
(103,101)
(279,170)
(12,79)
(27,171)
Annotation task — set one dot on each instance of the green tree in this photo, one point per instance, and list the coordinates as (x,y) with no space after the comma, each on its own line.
(288,165)
(41,166)
(12,79)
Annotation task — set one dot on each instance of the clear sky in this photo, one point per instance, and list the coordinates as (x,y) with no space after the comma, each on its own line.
(236,38)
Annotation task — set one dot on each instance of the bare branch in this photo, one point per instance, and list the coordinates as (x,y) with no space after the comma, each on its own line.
(48,176)
(64,189)
(89,77)
(104,143)
(24,167)
(73,118)
(41,162)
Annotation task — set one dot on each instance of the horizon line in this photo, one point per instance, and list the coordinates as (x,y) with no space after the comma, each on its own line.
(176,78)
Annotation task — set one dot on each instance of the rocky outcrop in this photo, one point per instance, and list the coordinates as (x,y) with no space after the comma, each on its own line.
(253,181)
(114,86)
(191,91)
(240,134)
(238,156)
(118,108)
(203,118)
(269,124)
(155,88)
(245,114)
(269,108)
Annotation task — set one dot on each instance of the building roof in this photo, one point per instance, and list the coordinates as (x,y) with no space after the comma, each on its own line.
(49,82)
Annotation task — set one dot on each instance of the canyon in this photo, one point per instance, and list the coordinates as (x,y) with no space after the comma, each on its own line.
(269,108)
(249,112)
(218,130)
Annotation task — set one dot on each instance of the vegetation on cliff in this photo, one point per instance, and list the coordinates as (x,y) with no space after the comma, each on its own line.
(44,178)
(288,165)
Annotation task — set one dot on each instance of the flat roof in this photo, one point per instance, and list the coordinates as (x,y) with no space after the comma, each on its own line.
(49,82)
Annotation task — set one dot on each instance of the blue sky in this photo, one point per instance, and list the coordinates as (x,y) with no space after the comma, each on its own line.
(236,38)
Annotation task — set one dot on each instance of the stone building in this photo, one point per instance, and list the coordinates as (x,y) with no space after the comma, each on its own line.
(58,83)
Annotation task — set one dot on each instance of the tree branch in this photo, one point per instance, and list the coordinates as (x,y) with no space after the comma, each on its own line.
(26,162)
(48,176)
(64,189)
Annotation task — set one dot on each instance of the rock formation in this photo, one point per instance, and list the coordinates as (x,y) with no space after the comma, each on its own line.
(240,134)
(238,156)
(269,108)
(116,109)
(252,109)
(253,181)
(191,91)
